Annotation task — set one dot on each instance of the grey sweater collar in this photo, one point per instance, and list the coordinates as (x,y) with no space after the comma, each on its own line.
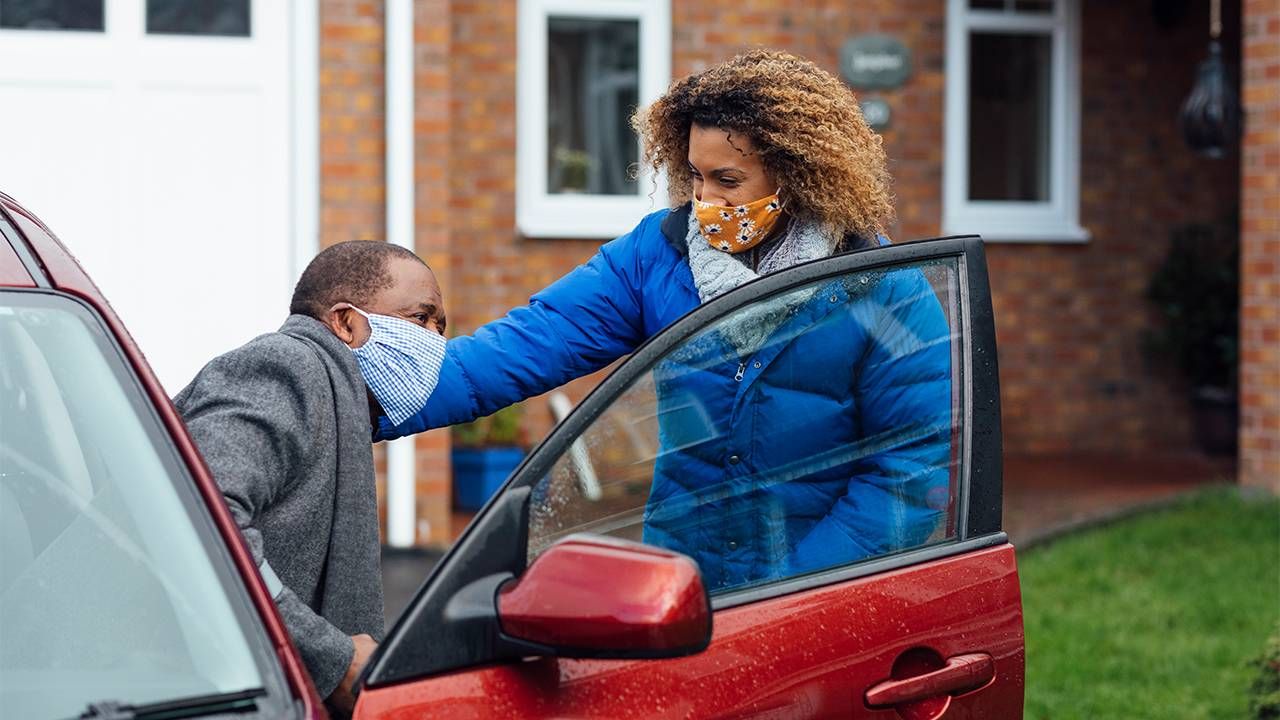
(716,272)
(305,327)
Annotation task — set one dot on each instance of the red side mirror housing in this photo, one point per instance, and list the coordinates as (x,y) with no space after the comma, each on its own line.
(592,596)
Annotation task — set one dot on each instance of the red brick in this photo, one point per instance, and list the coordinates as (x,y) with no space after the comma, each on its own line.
(1070,318)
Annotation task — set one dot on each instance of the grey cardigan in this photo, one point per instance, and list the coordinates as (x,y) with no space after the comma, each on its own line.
(283,423)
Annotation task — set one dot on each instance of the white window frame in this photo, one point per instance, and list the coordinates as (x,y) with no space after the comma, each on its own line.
(1058,218)
(543,214)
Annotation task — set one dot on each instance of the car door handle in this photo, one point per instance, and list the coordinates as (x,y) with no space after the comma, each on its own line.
(961,672)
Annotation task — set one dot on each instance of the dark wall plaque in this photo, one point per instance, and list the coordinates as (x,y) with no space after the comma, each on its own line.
(875,62)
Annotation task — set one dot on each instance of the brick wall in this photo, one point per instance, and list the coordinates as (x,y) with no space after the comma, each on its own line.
(1260,248)
(493,269)
(710,31)
(433,88)
(351,121)
(1070,317)
(351,133)
(352,102)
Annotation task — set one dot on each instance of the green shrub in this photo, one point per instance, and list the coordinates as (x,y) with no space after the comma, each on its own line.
(1196,293)
(1264,694)
(501,429)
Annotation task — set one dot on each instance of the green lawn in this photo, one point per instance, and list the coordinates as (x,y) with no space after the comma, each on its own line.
(1154,616)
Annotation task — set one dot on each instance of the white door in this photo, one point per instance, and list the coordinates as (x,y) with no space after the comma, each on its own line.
(154,138)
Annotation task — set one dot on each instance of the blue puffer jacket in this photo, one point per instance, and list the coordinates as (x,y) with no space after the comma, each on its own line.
(828,444)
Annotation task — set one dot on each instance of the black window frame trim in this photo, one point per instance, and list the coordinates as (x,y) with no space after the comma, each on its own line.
(865,568)
(28,259)
(437,634)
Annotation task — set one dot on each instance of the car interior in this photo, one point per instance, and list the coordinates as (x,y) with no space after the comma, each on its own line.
(85,537)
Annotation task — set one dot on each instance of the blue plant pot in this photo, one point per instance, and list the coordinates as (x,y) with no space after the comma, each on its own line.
(479,472)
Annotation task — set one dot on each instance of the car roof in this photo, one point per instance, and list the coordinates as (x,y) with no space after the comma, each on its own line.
(42,258)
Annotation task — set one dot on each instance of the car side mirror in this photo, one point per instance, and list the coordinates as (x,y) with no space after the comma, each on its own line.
(592,596)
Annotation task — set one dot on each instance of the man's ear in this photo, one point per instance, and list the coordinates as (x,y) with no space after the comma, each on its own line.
(345,323)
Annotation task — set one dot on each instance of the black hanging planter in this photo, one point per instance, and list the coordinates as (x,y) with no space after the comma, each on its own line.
(1210,117)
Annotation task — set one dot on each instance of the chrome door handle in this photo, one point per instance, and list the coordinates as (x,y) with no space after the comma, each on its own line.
(961,673)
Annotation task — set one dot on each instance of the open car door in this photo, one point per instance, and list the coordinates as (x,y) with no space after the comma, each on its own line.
(823,444)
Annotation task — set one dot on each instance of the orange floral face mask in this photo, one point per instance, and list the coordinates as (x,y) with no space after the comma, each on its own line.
(734,229)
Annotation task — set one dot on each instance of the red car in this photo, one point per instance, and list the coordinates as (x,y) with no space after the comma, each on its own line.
(126,591)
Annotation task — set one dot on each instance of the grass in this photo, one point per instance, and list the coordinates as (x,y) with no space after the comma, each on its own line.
(1156,616)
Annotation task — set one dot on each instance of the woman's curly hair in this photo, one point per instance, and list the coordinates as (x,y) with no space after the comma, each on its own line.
(804,122)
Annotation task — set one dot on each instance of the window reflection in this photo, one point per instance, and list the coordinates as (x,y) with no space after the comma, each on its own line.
(107,585)
(228,18)
(809,430)
(1033,6)
(593,86)
(51,15)
(1009,116)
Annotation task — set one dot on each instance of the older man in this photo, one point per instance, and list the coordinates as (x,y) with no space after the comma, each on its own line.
(285,422)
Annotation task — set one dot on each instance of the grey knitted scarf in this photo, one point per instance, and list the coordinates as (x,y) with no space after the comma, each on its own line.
(716,272)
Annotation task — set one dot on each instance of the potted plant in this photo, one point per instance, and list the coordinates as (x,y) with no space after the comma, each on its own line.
(485,452)
(574,167)
(1196,291)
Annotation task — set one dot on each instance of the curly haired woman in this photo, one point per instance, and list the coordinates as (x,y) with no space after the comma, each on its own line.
(770,164)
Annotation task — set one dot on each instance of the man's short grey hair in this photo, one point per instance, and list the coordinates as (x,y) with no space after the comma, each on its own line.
(352,272)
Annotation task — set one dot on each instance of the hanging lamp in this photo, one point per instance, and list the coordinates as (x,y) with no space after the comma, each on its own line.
(1210,117)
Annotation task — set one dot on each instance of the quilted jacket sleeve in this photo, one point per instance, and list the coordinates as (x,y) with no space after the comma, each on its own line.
(897,492)
(577,325)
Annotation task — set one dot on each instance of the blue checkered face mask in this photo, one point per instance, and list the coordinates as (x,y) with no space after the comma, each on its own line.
(400,362)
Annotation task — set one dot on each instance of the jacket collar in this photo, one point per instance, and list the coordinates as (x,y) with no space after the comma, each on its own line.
(675,228)
(333,350)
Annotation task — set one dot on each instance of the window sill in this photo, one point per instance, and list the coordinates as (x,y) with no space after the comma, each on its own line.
(583,217)
(1009,233)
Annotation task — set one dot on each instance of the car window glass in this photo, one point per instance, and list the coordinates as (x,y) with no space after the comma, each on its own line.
(811,429)
(107,591)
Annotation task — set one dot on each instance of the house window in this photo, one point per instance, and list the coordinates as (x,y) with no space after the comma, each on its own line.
(584,66)
(51,15)
(1012,168)
(198,17)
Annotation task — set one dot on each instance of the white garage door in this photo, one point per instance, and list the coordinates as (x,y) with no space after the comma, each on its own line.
(156,139)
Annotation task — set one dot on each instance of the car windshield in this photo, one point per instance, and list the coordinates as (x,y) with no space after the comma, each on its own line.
(108,590)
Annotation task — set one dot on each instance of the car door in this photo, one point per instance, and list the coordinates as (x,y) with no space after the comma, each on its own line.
(825,443)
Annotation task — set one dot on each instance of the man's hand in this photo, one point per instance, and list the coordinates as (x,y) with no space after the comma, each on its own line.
(342,701)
